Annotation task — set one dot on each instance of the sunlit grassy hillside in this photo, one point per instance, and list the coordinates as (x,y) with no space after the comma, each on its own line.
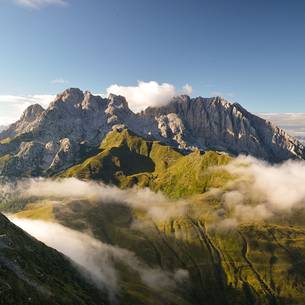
(248,262)
(126,159)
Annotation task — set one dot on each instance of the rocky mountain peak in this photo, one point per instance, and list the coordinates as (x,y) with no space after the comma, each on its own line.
(69,98)
(117,101)
(53,139)
(117,110)
(93,102)
(32,112)
(26,122)
(217,124)
(71,95)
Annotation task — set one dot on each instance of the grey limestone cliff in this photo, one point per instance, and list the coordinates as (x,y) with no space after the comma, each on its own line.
(47,141)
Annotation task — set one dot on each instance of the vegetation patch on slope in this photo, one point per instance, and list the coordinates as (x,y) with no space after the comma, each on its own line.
(126,159)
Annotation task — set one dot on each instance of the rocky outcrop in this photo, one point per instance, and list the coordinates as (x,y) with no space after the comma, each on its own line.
(47,141)
(29,119)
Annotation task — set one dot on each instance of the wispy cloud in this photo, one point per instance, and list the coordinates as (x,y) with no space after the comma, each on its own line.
(35,4)
(59,81)
(261,191)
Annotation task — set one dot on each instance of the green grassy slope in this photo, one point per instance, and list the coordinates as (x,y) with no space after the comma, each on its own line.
(253,264)
(126,159)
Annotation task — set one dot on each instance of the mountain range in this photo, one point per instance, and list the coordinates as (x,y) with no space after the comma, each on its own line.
(44,142)
(162,197)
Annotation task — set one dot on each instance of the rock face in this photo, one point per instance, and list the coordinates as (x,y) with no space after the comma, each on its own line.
(25,123)
(48,141)
(301,139)
(214,123)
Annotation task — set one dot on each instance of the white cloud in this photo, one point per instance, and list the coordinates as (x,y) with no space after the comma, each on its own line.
(262,190)
(60,81)
(147,94)
(40,3)
(156,205)
(187,89)
(12,106)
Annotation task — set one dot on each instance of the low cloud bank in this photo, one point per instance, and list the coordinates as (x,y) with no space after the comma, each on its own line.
(98,258)
(156,205)
(148,94)
(262,191)
(258,192)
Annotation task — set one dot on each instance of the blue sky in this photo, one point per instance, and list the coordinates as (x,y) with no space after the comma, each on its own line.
(251,52)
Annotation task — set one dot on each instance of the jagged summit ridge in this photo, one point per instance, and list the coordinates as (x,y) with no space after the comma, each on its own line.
(214,123)
(50,140)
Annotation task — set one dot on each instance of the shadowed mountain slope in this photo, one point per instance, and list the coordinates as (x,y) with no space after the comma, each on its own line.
(32,273)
